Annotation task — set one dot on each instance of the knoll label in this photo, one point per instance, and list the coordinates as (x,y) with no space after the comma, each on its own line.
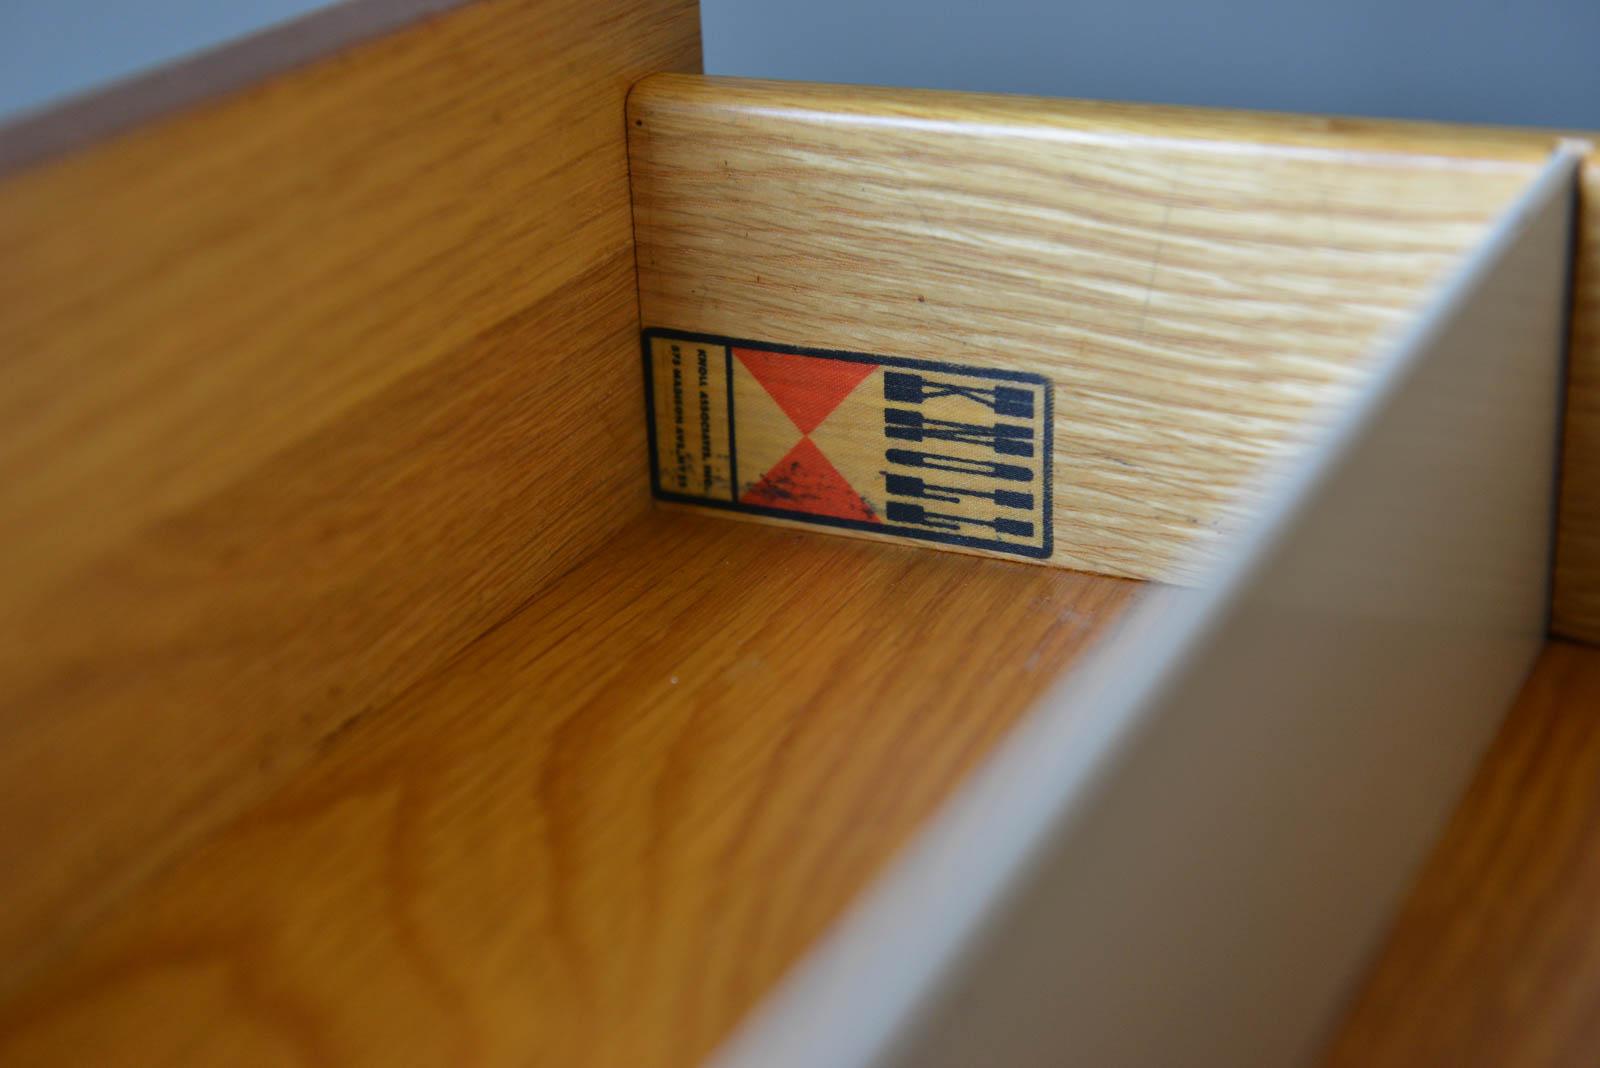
(917,449)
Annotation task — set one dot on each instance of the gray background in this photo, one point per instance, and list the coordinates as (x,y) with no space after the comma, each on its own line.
(1536,62)
(52,49)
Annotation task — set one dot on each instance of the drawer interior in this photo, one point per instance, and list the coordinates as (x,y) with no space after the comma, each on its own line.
(639,799)
(362,706)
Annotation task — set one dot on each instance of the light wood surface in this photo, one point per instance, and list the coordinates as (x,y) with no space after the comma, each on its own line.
(310,387)
(1195,296)
(304,389)
(600,834)
(827,234)
(1495,959)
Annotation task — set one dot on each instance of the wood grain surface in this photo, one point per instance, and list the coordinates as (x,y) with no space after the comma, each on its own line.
(1196,301)
(1495,959)
(304,389)
(600,834)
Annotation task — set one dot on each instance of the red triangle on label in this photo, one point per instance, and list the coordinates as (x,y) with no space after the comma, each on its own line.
(804,481)
(807,388)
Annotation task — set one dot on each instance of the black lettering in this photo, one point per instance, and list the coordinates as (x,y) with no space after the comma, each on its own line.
(959,465)
(917,515)
(907,387)
(912,486)
(705,428)
(680,454)
(1008,439)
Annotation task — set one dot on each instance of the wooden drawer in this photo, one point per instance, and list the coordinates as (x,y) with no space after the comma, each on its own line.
(1040,602)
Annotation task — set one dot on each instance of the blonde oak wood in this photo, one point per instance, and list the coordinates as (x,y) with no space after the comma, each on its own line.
(597,836)
(311,386)
(1196,302)
(1495,959)
(1200,280)
(305,388)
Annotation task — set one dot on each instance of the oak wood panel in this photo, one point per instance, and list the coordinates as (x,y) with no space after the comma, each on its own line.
(598,835)
(1495,958)
(304,388)
(1195,298)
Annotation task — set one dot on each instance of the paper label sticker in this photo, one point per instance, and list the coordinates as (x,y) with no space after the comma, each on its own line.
(909,448)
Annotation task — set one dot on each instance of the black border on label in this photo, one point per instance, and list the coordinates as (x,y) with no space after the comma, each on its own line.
(1037,552)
